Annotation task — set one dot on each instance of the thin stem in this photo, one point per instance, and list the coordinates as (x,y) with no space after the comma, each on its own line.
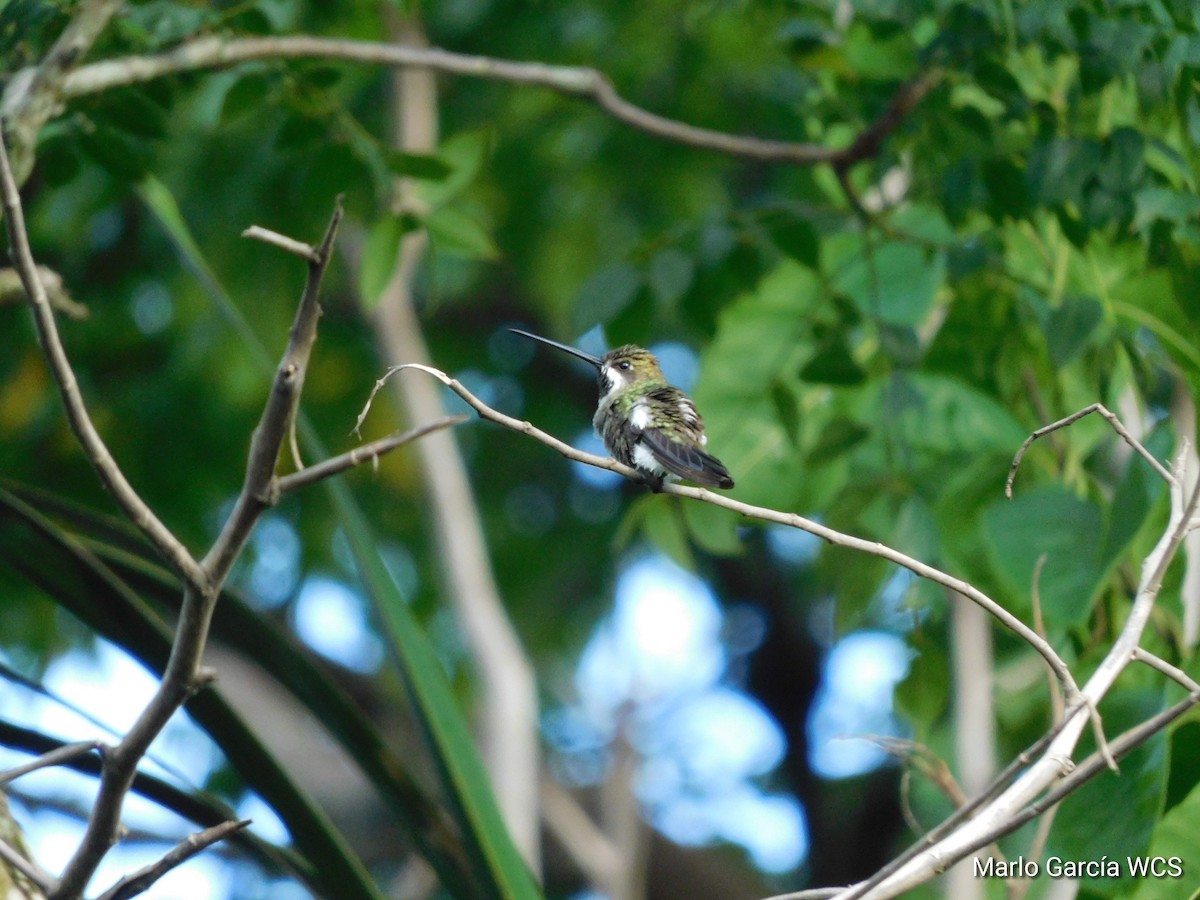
(141,880)
(359,455)
(56,757)
(1119,428)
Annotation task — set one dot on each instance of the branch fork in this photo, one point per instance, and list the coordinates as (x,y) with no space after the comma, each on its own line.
(202,579)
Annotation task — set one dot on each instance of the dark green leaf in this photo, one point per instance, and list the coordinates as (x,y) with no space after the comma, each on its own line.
(1071,327)
(1054,523)
(418,165)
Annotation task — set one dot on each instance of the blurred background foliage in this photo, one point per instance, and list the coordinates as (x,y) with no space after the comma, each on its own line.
(1025,244)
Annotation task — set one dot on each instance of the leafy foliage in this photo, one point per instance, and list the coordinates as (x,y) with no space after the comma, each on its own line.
(1023,245)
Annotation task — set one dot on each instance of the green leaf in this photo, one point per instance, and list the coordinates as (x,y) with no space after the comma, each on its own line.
(453,231)
(670,275)
(418,165)
(605,294)
(713,528)
(1172,851)
(1054,523)
(941,414)
(1071,326)
(662,523)
(897,283)
(249,95)
(502,872)
(798,239)
(463,155)
(1154,203)
(380,251)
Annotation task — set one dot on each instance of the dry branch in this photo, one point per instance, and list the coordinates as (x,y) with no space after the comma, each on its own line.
(111,476)
(585,83)
(761,513)
(143,879)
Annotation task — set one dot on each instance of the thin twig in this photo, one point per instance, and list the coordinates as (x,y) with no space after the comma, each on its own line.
(589,84)
(359,455)
(1054,765)
(278,414)
(184,674)
(1039,625)
(1075,417)
(56,757)
(283,242)
(141,880)
(1173,672)
(761,513)
(111,476)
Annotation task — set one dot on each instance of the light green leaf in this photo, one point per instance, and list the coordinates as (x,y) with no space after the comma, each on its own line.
(379,256)
(454,231)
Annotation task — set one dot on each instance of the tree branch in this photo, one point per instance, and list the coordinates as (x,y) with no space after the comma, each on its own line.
(183,674)
(278,414)
(761,513)
(359,455)
(111,476)
(585,83)
(141,880)
(55,757)
(1119,428)
(34,96)
(997,817)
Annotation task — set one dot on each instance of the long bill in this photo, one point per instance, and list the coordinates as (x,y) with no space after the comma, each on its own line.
(567,348)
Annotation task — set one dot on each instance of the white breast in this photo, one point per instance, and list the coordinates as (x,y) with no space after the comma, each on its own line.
(640,417)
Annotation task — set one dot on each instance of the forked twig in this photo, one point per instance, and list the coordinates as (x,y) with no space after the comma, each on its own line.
(1075,417)
(141,880)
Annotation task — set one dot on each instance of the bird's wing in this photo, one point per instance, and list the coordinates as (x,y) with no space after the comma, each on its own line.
(685,460)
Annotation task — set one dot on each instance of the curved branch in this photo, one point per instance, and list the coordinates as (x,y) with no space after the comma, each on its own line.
(763,514)
(97,452)
(585,83)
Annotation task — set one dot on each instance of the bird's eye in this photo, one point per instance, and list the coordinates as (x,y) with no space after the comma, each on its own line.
(623,364)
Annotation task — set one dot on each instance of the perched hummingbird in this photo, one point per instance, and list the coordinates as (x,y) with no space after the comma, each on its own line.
(645,422)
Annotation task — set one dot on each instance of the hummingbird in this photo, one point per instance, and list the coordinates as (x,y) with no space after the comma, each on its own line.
(645,422)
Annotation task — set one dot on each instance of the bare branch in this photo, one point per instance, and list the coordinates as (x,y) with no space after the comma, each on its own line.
(1075,417)
(278,414)
(141,880)
(1173,672)
(1053,767)
(359,455)
(12,292)
(588,84)
(766,515)
(283,242)
(111,476)
(56,757)
(34,96)
(184,674)
(1086,771)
